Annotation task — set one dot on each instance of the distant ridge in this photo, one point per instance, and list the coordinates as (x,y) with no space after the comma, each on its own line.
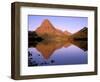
(81,33)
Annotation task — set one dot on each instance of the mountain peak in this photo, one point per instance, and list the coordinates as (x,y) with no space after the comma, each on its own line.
(47,27)
(81,33)
(84,29)
(46,22)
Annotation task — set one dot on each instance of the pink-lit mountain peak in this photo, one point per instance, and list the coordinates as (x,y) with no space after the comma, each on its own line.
(45,27)
(47,23)
(48,28)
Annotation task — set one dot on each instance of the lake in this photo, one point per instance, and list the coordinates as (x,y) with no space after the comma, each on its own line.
(58,53)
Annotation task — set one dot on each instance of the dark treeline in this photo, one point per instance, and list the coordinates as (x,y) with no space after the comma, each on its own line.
(33,38)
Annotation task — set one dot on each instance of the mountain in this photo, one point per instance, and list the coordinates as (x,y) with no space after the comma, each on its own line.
(47,29)
(59,32)
(67,33)
(81,34)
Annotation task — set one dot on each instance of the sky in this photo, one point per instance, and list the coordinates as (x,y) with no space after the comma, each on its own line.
(64,23)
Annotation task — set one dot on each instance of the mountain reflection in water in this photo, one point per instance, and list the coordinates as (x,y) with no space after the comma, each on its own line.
(47,53)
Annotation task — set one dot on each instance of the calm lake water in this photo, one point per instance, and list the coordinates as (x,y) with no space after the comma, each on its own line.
(53,53)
